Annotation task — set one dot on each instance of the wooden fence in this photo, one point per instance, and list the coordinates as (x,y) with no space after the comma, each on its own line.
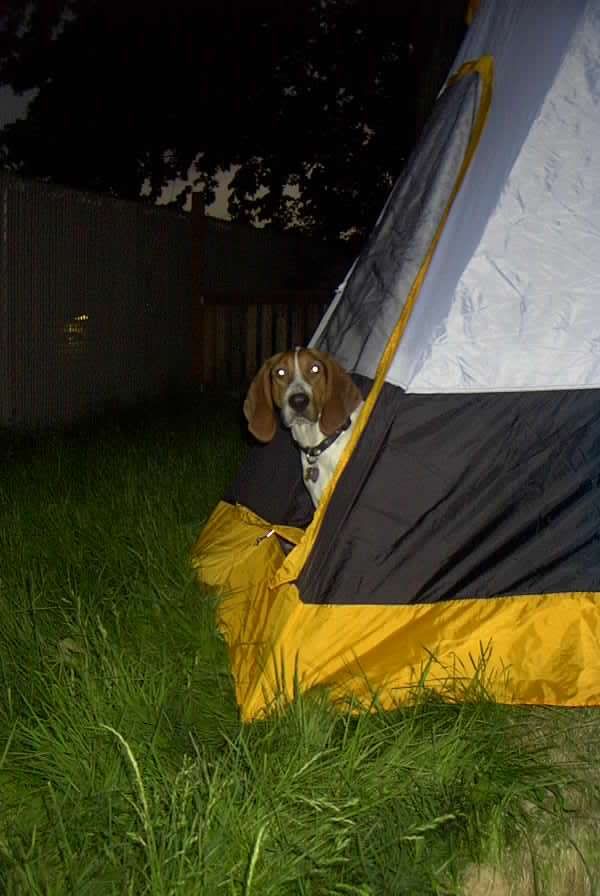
(105,302)
(255,293)
(236,334)
(95,303)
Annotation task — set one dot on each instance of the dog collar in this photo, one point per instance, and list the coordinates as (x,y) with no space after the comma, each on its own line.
(312,454)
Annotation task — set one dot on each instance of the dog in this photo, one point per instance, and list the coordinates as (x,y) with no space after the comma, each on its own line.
(319,403)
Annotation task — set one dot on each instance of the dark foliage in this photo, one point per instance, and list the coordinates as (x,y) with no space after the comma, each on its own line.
(321,96)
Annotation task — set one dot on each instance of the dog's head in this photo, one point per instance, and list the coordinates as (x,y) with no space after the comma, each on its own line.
(306,385)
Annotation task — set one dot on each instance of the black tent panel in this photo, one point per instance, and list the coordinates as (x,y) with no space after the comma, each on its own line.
(454,496)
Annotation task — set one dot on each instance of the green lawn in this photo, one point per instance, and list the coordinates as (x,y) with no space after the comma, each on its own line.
(124,768)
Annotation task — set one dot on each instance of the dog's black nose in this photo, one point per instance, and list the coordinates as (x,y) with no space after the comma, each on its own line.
(298,402)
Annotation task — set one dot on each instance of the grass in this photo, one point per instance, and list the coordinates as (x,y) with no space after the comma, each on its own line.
(124,768)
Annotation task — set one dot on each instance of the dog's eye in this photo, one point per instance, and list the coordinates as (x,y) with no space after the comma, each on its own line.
(315,368)
(281,371)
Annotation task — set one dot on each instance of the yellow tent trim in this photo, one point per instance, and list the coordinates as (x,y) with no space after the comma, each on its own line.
(295,561)
(539,649)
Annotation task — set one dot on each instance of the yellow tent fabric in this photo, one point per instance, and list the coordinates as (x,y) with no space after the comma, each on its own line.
(539,649)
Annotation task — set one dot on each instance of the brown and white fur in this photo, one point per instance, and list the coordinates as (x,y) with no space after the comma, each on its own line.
(316,397)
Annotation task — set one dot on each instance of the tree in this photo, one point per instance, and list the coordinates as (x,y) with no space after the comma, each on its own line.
(315,102)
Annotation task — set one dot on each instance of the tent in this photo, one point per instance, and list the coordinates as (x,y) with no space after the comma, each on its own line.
(464,519)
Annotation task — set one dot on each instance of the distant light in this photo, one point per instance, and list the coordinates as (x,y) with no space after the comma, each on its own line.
(75,333)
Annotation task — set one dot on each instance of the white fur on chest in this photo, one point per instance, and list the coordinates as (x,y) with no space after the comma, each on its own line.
(309,435)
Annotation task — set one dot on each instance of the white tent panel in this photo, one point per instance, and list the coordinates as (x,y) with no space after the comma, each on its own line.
(520,308)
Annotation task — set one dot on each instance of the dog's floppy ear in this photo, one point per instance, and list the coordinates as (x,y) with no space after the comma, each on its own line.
(342,395)
(258,406)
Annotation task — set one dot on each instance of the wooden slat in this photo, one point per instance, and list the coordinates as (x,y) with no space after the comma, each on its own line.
(208,337)
(199,344)
(266,332)
(221,347)
(297,328)
(238,345)
(252,359)
(315,313)
(281,329)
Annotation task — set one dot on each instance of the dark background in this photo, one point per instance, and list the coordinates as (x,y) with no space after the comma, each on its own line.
(314,104)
